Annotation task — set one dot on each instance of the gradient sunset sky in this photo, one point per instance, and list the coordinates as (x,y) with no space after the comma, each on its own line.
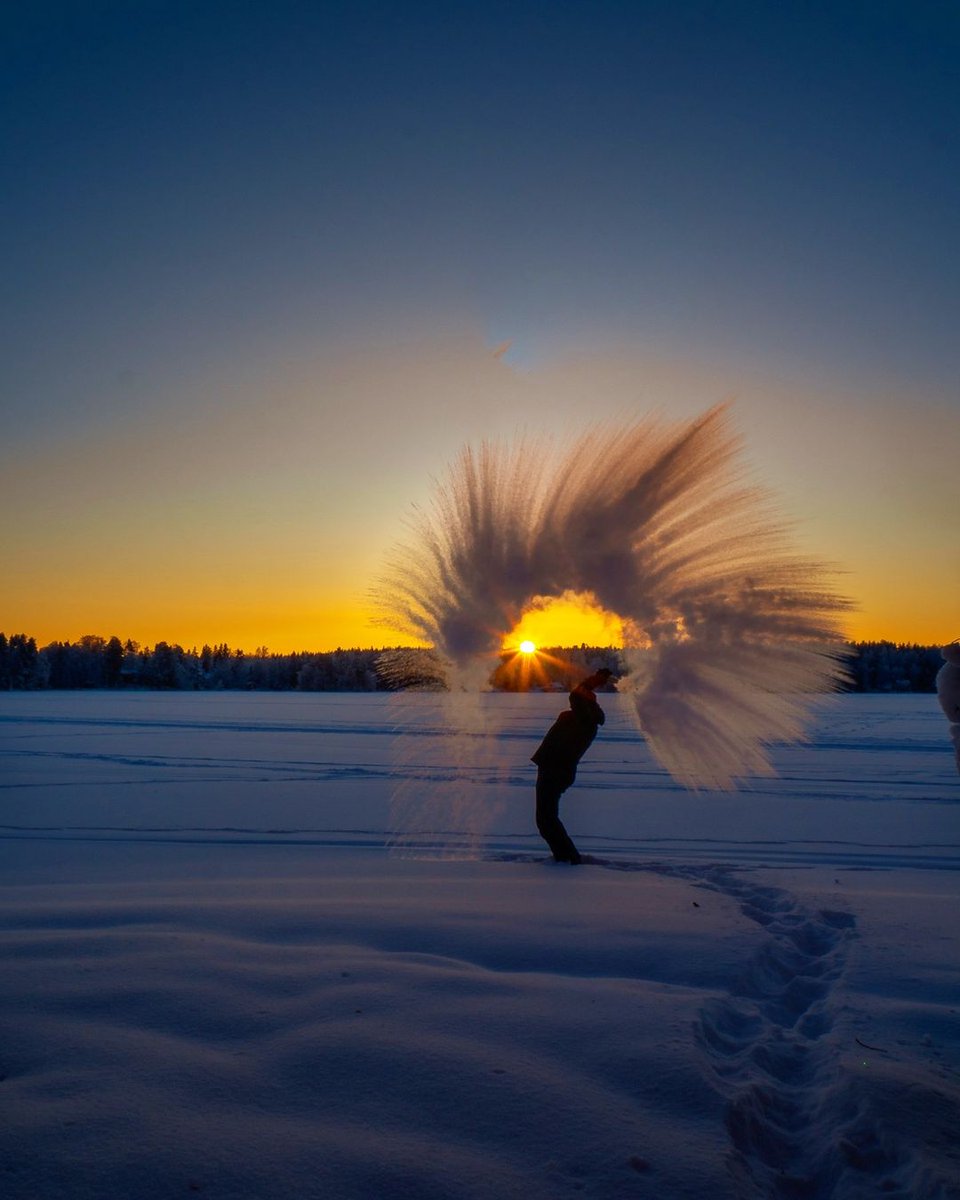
(267,266)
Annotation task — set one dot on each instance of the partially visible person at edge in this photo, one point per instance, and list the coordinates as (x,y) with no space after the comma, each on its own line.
(948,692)
(557,756)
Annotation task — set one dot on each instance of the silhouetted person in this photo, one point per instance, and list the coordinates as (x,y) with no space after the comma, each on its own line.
(557,757)
(948,692)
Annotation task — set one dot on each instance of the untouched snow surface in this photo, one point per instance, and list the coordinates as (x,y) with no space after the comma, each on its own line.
(217,981)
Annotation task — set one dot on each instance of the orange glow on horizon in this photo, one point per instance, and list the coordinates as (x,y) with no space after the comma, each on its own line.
(248,543)
(300,620)
(285,629)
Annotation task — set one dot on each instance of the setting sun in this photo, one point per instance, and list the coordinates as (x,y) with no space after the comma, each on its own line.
(568,620)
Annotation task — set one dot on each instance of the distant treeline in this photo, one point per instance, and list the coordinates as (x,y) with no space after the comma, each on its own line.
(97,662)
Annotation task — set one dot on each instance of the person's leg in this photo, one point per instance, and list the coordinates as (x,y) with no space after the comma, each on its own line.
(550,788)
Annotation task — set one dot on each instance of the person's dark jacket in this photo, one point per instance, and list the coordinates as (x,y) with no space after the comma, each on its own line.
(569,737)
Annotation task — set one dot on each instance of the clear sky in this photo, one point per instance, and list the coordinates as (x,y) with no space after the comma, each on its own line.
(260,261)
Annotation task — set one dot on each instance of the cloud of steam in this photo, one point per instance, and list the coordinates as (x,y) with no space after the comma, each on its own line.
(726,630)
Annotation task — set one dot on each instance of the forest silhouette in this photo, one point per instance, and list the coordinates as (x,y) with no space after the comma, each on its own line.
(98,662)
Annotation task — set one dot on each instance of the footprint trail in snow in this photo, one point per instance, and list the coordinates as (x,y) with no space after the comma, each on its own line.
(801,1124)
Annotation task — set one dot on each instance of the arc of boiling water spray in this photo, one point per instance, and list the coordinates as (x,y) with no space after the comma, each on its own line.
(727,631)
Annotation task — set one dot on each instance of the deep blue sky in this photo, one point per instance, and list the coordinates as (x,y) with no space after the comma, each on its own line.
(199,190)
(778,178)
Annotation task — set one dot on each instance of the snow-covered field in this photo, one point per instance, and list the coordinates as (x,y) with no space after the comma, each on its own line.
(217,981)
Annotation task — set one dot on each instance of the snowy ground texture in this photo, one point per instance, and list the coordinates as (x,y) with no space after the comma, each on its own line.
(217,981)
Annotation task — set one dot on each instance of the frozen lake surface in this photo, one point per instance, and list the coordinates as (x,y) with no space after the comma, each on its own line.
(877,785)
(217,980)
